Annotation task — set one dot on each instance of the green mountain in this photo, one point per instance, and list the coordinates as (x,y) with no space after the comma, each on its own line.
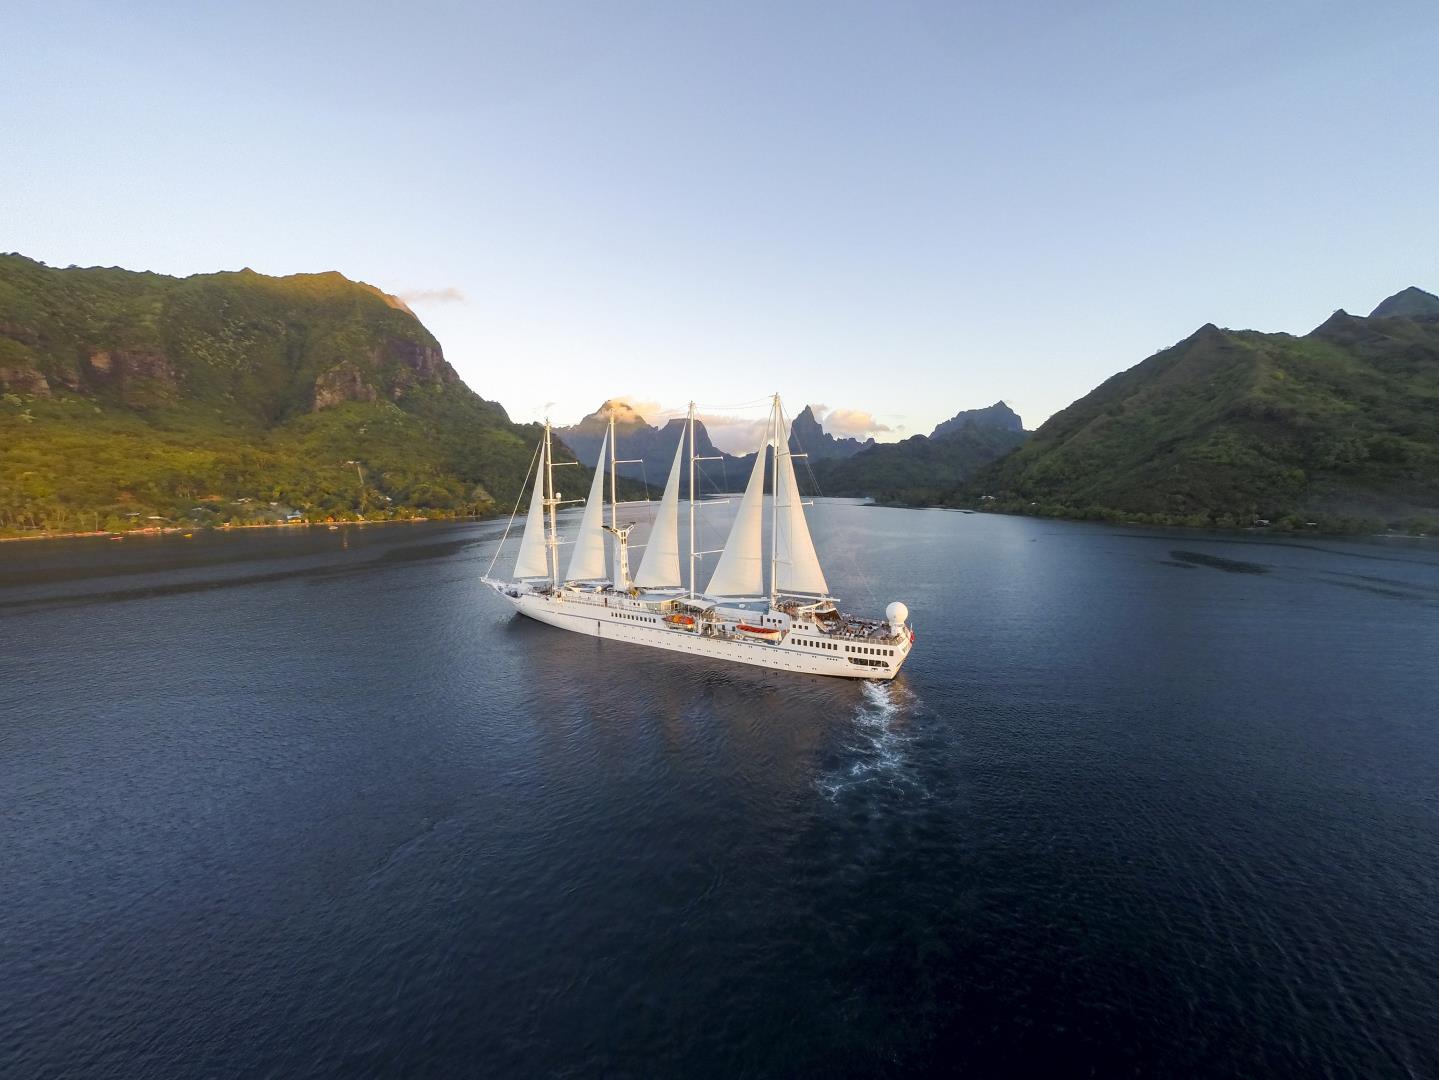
(922,471)
(134,398)
(1339,427)
(1411,303)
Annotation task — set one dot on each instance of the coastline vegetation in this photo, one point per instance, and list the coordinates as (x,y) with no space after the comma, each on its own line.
(138,401)
(133,401)
(1336,431)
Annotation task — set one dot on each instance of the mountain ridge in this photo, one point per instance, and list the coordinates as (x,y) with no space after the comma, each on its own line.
(129,397)
(1408,303)
(999,415)
(921,469)
(1339,427)
(654,446)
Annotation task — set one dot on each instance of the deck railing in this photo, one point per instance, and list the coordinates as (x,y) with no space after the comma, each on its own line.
(841,634)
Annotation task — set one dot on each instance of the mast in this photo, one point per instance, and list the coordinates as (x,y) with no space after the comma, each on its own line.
(774,511)
(554,538)
(690,425)
(615,578)
(534,557)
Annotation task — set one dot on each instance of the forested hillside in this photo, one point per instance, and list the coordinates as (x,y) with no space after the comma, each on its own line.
(1339,428)
(135,399)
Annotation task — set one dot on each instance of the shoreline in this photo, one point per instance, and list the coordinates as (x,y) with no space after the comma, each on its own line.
(173,529)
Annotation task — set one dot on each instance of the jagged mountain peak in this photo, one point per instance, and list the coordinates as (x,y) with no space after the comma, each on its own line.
(807,435)
(1411,302)
(622,411)
(997,416)
(625,414)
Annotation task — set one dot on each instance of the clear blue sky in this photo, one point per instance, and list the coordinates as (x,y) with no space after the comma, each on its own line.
(902,209)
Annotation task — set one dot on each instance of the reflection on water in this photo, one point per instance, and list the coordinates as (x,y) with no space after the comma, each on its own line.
(315,803)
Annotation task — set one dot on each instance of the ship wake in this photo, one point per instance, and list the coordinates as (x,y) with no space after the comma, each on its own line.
(878,749)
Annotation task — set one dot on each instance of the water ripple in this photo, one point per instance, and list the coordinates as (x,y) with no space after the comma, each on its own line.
(879,745)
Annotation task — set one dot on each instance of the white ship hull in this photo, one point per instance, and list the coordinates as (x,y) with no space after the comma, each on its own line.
(878,660)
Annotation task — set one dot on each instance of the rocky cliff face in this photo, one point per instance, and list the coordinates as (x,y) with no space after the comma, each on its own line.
(273,347)
(808,436)
(412,363)
(998,417)
(342,383)
(143,378)
(23,379)
(394,370)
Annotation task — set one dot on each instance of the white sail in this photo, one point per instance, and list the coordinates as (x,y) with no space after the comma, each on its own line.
(740,570)
(797,568)
(660,566)
(587,560)
(534,560)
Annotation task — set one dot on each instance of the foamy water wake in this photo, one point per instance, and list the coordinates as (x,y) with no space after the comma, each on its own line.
(878,749)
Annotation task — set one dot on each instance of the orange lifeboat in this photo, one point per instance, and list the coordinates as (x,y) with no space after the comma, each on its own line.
(764,633)
(685,621)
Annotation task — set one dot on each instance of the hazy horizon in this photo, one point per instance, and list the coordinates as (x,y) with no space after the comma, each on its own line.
(896,213)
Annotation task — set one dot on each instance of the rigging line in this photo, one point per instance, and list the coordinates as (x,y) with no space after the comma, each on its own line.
(756,403)
(533,458)
(848,553)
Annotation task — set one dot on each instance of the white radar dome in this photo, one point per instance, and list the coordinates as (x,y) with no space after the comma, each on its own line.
(896,613)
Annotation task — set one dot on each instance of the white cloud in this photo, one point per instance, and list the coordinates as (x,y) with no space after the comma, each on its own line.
(447,295)
(735,434)
(852,423)
(652,411)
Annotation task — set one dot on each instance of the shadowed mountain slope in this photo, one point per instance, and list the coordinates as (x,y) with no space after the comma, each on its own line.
(1339,426)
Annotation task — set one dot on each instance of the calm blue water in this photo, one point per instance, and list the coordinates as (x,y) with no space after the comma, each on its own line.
(316,804)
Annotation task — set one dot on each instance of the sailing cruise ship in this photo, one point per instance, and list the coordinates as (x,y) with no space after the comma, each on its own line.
(794,624)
